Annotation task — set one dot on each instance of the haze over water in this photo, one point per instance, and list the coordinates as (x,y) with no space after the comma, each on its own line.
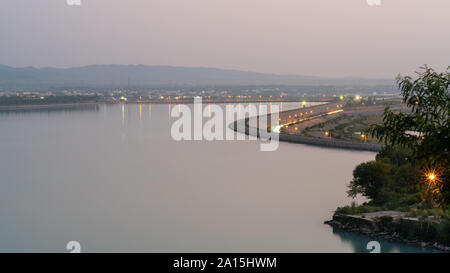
(113,179)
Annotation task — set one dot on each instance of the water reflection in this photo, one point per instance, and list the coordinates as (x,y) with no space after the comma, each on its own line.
(150,111)
(123,113)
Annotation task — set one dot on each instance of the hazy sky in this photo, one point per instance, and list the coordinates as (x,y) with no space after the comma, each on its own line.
(308,37)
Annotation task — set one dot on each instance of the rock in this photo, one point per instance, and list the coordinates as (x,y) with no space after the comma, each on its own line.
(372,227)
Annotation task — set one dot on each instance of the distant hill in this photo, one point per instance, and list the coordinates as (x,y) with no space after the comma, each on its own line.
(143,75)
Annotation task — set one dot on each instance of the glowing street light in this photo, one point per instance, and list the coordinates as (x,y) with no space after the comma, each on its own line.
(433,180)
(434,184)
(364,136)
(431,176)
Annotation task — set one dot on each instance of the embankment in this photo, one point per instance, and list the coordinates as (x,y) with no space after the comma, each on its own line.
(412,231)
(242,126)
(45,106)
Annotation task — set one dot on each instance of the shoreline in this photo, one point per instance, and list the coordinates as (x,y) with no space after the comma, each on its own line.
(386,227)
(242,126)
(44,106)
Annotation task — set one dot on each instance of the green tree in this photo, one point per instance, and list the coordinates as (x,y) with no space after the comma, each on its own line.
(396,155)
(370,180)
(427,98)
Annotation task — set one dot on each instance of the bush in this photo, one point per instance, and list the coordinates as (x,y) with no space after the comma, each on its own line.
(370,179)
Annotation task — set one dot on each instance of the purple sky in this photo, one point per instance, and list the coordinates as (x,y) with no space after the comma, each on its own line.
(307,37)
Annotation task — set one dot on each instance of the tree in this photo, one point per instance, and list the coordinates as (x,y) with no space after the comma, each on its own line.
(428,99)
(370,180)
(396,155)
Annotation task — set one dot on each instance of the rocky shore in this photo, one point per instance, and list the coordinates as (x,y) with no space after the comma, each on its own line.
(391,226)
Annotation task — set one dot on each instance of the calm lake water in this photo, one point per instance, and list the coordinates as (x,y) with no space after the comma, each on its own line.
(112,178)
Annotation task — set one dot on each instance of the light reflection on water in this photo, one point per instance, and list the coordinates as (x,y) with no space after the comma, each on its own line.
(112,178)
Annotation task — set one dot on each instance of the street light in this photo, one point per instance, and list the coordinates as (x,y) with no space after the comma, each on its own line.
(432,177)
(364,137)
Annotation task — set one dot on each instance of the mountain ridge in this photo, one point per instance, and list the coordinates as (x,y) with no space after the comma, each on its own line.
(116,74)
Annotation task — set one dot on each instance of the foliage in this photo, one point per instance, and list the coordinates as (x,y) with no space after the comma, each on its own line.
(396,156)
(369,180)
(390,181)
(428,99)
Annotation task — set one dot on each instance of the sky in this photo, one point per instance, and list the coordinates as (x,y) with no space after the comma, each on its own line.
(332,38)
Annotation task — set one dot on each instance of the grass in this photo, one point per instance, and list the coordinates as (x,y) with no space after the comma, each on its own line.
(354,209)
